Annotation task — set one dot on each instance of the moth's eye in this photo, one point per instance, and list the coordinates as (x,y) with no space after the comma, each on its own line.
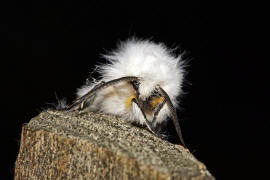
(136,85)
(156,92)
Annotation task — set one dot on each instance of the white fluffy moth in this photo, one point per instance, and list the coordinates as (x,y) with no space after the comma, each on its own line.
(140,82)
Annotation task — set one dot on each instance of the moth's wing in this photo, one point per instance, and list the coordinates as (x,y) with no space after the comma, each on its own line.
(82,102)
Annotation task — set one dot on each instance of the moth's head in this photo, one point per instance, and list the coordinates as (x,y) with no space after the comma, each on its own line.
(145,88)
(149,100)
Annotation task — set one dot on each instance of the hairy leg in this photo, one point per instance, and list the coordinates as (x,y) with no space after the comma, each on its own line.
(148,123)
(157,110)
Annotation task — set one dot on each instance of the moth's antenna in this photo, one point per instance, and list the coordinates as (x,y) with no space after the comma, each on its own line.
(173,114)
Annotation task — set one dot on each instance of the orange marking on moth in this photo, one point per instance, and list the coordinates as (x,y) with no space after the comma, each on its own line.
(155,102)
(129,100)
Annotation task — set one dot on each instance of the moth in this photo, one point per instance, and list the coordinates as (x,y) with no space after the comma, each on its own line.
(140,82)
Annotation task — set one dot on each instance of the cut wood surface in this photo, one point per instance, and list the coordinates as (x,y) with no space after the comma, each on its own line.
(73,145)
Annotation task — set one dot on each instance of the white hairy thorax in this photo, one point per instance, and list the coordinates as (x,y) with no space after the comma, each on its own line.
(154,64)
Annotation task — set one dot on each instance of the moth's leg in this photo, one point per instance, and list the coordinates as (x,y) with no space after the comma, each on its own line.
(156,113)
(157,110)
(173,114)
(79,103)
(148,123)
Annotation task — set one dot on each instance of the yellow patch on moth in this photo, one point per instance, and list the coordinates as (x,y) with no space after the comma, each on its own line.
(129,100)
(155,102)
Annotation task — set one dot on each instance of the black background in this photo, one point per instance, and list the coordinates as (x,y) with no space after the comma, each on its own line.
(50,48)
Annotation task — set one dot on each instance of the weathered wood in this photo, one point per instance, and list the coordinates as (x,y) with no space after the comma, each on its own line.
(58,145)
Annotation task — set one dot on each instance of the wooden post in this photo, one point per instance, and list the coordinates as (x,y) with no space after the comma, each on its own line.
(60,145)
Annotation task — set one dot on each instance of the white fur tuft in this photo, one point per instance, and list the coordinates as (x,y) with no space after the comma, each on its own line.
(152,63)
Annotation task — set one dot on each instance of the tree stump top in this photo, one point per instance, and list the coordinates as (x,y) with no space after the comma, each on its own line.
(95,145)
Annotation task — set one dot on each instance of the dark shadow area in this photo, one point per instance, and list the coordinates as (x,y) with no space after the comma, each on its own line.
(50,48)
